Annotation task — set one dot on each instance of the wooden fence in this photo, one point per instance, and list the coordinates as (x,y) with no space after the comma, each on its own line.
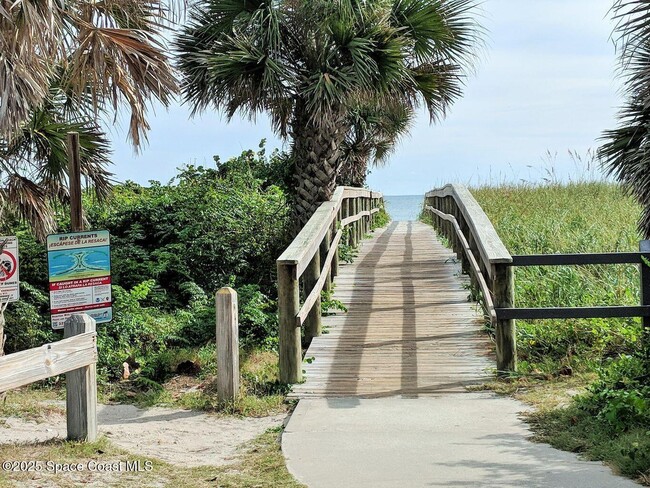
(458,217)
(313,258)
(75,355)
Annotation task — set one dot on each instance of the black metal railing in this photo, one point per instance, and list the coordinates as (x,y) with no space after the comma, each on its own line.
(641,258)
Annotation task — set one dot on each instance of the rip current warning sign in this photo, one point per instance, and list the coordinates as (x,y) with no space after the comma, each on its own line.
(79,266)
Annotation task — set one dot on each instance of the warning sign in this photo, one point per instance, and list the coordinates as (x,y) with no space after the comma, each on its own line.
(80,276)
(9,283)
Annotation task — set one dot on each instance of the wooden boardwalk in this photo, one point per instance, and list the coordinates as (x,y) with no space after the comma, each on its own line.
(409,330)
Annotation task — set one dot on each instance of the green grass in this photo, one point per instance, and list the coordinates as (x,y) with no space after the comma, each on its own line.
(261,392)
(575,218)
(587,378)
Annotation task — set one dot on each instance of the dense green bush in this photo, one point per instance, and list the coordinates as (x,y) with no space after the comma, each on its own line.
(172,247)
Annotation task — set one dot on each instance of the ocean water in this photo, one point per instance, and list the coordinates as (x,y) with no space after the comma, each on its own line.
(404,207)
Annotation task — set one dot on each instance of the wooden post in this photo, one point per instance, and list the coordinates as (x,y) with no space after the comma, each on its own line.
(290,350)
(644,247)
(324,251)
(81,387)
(503,287)
(310,278)
(227,345)
(335,259)
(353,226)
(366,220)
(74,178)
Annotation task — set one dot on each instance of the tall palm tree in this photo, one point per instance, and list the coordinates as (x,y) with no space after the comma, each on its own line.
(306,63)
(625,153)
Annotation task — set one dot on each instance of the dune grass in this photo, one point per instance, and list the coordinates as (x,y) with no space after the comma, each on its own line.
(573,218)
(586,377)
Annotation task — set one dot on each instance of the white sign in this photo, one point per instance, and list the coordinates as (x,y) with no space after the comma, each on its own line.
(9,282)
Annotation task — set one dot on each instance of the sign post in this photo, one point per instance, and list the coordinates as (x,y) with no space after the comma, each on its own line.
(79,266)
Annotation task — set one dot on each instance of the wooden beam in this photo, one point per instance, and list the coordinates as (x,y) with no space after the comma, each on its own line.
(74,179)
(314,294)
(489,243)
(25,367)
(290,349)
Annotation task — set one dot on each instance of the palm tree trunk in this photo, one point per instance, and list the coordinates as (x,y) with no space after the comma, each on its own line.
(316,154)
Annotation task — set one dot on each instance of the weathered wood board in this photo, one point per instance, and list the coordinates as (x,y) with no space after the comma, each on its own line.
(410,330)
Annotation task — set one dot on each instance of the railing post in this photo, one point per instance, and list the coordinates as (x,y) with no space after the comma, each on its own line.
(335,259)
(310,278)
(227,345)
(644,247)
(290,350)
(81,387)
(503,287)
(354,232)
(324,251)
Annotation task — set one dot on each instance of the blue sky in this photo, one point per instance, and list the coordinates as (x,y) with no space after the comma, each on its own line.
(545,85)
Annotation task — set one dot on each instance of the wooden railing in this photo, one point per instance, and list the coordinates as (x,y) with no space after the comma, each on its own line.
(76,356)
(313,258)
(458,217)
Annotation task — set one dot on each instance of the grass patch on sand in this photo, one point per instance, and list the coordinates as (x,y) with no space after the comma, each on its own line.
(260,464)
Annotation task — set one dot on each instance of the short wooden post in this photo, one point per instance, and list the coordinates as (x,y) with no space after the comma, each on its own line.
(503,287)
(324,251)
(81,387)
(310,278)
(290,350)
(644,247)
(227,345)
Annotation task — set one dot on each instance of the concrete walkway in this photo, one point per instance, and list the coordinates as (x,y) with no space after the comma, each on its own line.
(358,424)
(456,440)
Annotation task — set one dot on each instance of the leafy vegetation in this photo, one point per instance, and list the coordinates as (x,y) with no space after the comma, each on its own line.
(173,246)
(610,419)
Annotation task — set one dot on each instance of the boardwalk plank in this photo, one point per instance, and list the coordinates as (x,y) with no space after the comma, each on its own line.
(409,330)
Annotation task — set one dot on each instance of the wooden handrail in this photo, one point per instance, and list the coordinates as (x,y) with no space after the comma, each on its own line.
(458,216)
(489,244)
(76,356)
(313,258)
(476,269)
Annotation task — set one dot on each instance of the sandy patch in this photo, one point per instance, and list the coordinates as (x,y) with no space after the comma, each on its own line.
(182,437)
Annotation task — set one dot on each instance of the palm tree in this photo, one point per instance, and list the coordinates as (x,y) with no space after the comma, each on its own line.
(625,153)
(64,66)
(105,53)
(372,137)
(34,162)
(307,63)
